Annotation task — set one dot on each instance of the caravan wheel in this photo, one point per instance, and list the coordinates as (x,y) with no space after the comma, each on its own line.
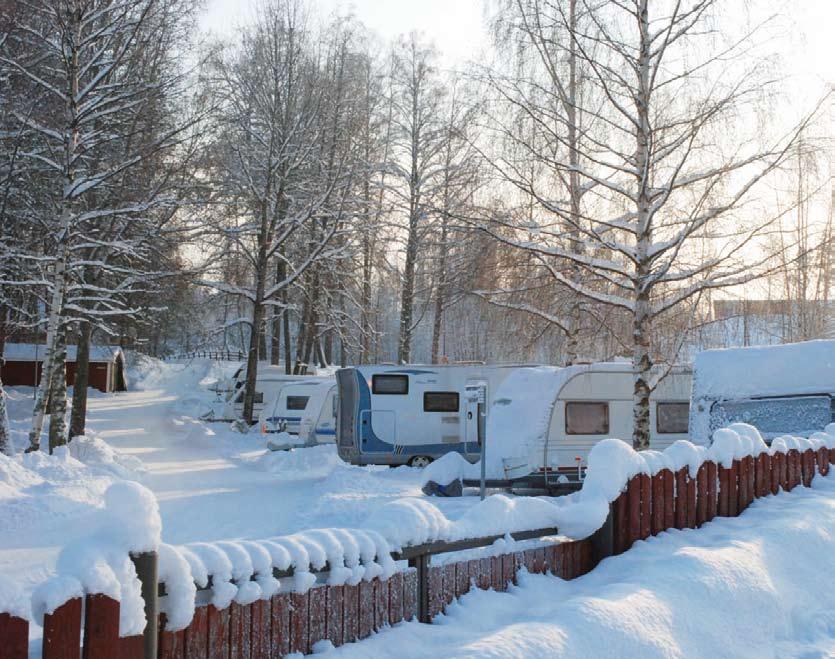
(420,461)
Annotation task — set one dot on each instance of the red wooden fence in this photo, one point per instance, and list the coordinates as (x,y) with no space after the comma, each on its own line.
(649,506)
(288,622)
(295,622)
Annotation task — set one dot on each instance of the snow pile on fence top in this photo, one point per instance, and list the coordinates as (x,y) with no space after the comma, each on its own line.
(43,496)
(795,368)
(100,563)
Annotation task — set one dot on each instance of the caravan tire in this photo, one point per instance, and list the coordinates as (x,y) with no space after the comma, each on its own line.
(420,461)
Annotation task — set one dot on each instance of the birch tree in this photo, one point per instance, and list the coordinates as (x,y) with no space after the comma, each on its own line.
(417,95)
(674,174)
(84,138)
(285,194)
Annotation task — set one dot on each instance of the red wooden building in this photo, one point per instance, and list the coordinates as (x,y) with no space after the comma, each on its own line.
(24,363)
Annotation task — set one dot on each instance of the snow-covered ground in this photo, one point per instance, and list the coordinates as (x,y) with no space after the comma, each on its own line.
(211,482)
(755,586)
(759,585)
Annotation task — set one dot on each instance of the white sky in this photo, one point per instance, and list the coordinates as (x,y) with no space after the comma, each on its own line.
(457,27)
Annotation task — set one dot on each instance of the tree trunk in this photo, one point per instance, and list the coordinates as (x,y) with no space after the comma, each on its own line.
(257,324)
(404,347)
(58,395)
(78,416)
(63,247)
(288,354)
(575,190)
(262,339)
(43,393)
(4,319)
(641,321)
(642,366)
(440,294)
(275,344)
(5,431)
(6,447)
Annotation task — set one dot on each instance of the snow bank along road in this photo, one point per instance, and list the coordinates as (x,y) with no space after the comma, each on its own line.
(211,482)
(759,585)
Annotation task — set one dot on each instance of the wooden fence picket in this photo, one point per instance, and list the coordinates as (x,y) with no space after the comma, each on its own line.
(658,501)
(701,494)
(633,492)
(621,523)
(101,627)
(712,484)
(681,498)
(14,636)
(317,617)
(742,490)
(646,506)
(62,631)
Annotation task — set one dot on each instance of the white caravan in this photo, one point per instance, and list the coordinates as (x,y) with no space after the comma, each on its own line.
(269,381)
(780,390)
(541,421)
(411,414)
(306,409)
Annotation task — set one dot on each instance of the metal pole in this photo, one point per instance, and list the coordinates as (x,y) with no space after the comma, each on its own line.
(421,565)
(147,571)
(482,405)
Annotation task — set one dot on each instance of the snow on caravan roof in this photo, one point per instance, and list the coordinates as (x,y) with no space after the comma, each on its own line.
(521,413)
(31,351)
(793,368)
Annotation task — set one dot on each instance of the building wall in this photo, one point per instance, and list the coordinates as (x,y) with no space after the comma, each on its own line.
(22,373)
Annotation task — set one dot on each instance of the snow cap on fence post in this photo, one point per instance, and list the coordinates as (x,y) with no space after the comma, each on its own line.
(12,599)
(611,464)
(750,433)
(134,516)
(726,447)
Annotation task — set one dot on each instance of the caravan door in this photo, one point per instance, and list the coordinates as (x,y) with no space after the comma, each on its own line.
(379,424)
(475,406)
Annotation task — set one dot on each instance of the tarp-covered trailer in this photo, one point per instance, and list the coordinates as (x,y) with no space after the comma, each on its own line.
(780,390)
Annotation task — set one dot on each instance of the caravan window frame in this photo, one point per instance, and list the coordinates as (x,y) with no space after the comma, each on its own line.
(606,416)
(434,407)
(658,428)
(295,398)
(389,376)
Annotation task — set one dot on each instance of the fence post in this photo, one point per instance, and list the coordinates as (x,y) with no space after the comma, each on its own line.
(147,570)
(603,540)
(421,565)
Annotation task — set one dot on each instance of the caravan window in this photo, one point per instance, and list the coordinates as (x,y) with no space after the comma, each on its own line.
(440,401)
(582,418)
(297,402)
(801,415)
(258,398)
(672,417)
(390,384)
